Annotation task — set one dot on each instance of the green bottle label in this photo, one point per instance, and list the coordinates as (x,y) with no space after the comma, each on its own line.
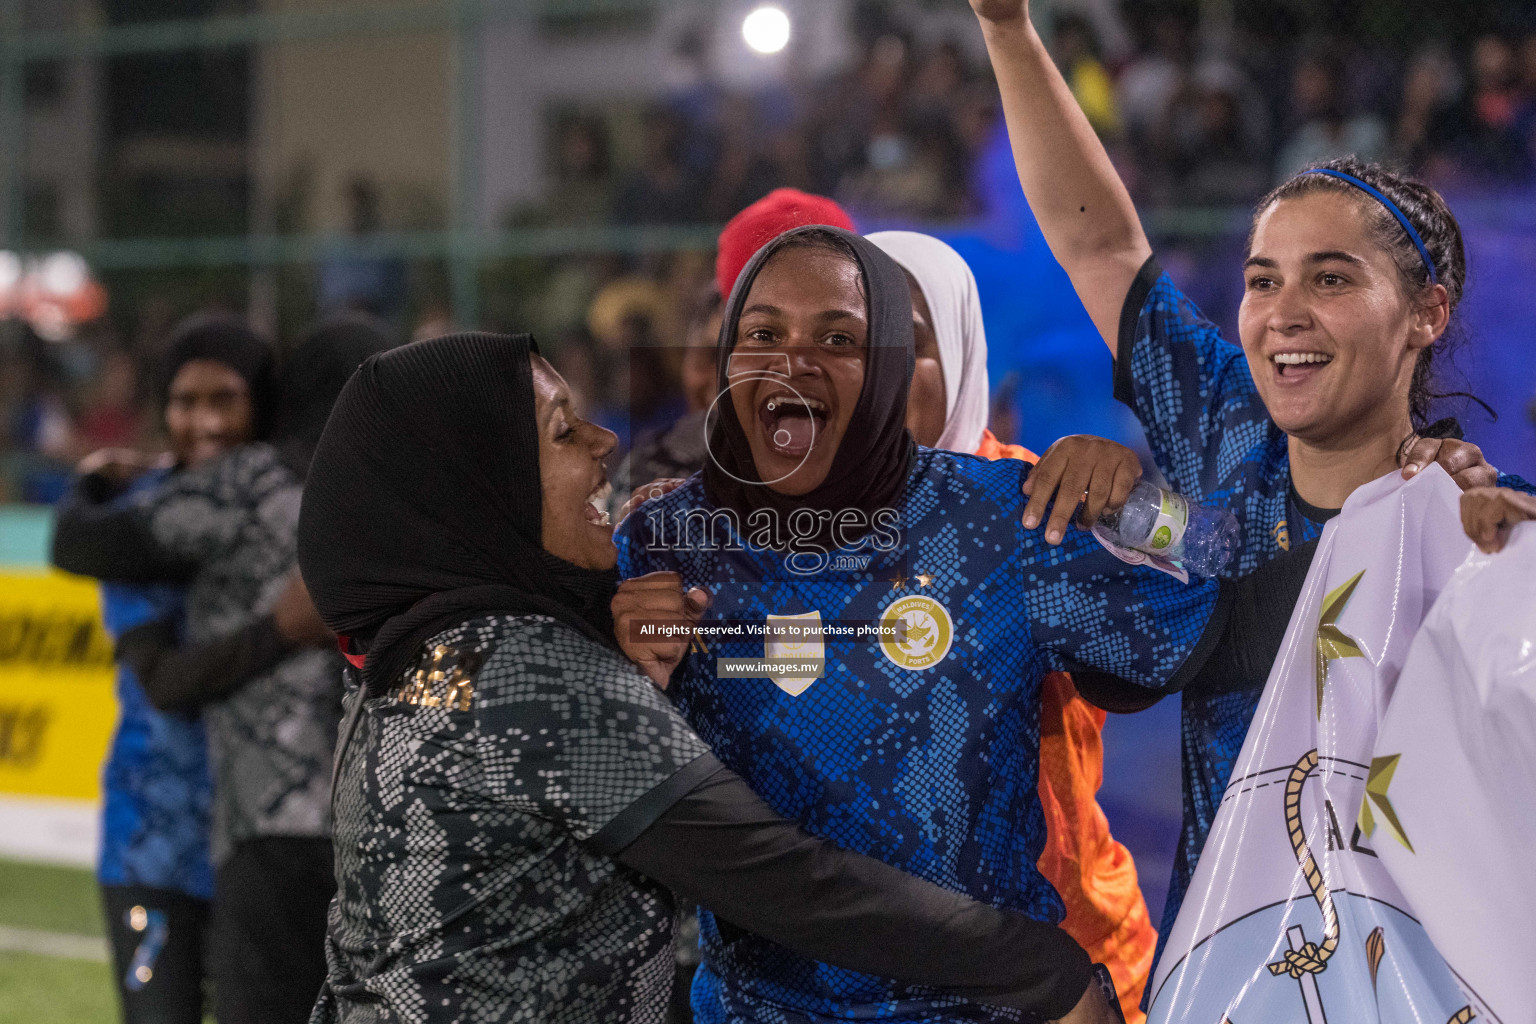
(1172,521)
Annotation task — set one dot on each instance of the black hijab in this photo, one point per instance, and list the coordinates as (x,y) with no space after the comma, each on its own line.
(869,471)
(423,504)
(225,338)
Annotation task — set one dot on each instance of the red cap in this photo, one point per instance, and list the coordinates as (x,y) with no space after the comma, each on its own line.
(779,211)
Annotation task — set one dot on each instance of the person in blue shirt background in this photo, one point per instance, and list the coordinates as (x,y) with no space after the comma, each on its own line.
(253,656)
(156,880)
(154,868)
(1351,284)
(919,748)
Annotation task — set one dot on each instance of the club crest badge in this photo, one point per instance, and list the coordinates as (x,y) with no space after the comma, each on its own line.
(924,635)
(799,637)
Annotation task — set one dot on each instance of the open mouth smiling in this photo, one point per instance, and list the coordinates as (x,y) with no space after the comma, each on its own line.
(792,423)
(1296,366)
(596,507)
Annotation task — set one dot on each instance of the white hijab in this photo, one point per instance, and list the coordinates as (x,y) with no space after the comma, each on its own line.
(953,302)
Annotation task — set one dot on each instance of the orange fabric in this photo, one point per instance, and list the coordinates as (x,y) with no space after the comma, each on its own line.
(993,449)
(1095,875)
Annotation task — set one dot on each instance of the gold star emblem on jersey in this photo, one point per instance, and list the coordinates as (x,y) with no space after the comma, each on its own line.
(448,683)
(923,633)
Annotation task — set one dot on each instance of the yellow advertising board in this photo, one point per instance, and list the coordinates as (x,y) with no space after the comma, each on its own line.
(57,707)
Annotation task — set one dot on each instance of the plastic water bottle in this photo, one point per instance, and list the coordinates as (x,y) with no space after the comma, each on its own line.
(1201,539)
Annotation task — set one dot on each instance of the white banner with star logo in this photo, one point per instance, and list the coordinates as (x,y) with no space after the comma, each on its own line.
(1293,915)
(1460,734)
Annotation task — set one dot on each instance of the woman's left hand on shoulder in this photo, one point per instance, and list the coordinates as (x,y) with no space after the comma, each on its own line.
(1094,471)
(1463,460)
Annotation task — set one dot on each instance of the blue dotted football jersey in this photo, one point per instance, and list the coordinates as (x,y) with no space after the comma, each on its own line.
(1213,439)
(156,784)
(924,752)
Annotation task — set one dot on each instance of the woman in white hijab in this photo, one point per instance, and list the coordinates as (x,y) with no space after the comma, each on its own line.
(950,399)
(945,290)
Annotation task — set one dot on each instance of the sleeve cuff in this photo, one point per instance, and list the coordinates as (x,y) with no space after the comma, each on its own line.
(1130,314)
(633,820)
(1215,627)
(1069,991)
(1113,694)
(139,646)
(1073,971)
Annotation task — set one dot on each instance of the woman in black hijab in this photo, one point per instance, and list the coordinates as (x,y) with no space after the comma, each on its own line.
(254,657)
(513,798)
(185,677)
(817,511)
(778,443)
(215,392)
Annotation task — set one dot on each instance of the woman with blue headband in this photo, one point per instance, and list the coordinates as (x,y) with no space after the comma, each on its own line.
(1352,276)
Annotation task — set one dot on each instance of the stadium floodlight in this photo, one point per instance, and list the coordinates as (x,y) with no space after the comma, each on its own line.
(766,29)
(63,273)
(54,293)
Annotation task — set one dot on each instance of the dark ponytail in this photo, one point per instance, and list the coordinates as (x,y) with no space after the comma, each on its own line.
(1436,225)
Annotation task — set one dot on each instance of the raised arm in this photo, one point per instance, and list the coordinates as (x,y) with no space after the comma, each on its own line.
(1079,201)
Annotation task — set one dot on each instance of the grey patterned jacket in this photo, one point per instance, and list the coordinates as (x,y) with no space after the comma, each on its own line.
(271,742)
(472,886)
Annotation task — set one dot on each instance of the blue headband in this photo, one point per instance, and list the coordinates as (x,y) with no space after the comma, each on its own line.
(1413,234)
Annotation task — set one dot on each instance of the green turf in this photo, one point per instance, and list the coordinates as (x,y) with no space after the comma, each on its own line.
(51,898)
(48,990)
(42,990)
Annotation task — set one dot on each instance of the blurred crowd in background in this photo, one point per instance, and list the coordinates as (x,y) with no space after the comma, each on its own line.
(899,134)
(1194,119)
